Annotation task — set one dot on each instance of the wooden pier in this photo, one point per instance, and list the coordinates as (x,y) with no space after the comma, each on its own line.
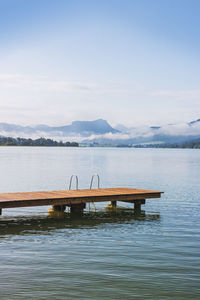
(76,199)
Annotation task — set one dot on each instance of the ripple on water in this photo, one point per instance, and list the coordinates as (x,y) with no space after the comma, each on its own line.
(153,255)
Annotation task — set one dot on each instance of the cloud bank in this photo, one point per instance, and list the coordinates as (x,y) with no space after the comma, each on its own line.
(142,132)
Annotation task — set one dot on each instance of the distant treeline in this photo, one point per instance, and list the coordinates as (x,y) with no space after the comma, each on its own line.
(9,141)
(195,144)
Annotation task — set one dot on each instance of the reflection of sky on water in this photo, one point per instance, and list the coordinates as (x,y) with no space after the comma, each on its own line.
(152,255)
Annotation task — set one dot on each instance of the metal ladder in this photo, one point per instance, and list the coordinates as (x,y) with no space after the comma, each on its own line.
(70,183)
(91,183)
(98,181)
(98,186)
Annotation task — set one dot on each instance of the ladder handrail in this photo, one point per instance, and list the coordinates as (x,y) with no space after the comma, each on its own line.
(98,181)
(70,183)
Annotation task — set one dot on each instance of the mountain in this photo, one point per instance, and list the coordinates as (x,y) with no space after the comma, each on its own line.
(194,122)
(154,139)
(87,128)
(77,128)
(121,128)
(169,133)
(5,127)
(102,133)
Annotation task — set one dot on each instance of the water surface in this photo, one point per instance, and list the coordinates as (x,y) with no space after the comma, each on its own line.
(102,255)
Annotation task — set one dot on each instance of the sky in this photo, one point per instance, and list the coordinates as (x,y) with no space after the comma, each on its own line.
(131,62)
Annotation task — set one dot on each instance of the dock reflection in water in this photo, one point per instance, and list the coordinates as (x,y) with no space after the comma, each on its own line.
(43,224)
(102,255)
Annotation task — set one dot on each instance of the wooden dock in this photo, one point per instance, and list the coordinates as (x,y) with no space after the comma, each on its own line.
(76,199)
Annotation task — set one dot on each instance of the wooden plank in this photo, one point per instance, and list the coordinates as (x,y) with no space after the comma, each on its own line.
(73,193)
(66,197)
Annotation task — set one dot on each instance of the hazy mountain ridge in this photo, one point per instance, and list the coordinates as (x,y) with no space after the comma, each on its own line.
(76,128)
(101,132)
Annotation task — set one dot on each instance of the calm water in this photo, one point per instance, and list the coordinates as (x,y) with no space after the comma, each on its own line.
(154,255)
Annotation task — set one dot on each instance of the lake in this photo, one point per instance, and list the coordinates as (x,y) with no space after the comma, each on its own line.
(102,255)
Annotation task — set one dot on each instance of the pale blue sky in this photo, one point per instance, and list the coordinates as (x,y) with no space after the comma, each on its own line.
(132,62)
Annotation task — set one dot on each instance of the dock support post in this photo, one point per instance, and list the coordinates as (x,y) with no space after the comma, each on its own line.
(137,205)
(113,204)
(60,208)
(77,208)
(56,211)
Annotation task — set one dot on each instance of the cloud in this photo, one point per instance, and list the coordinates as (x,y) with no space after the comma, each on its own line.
(182,129)
(176,94)
(42,83)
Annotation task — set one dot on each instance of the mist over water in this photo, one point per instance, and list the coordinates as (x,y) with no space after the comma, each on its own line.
(102,255)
